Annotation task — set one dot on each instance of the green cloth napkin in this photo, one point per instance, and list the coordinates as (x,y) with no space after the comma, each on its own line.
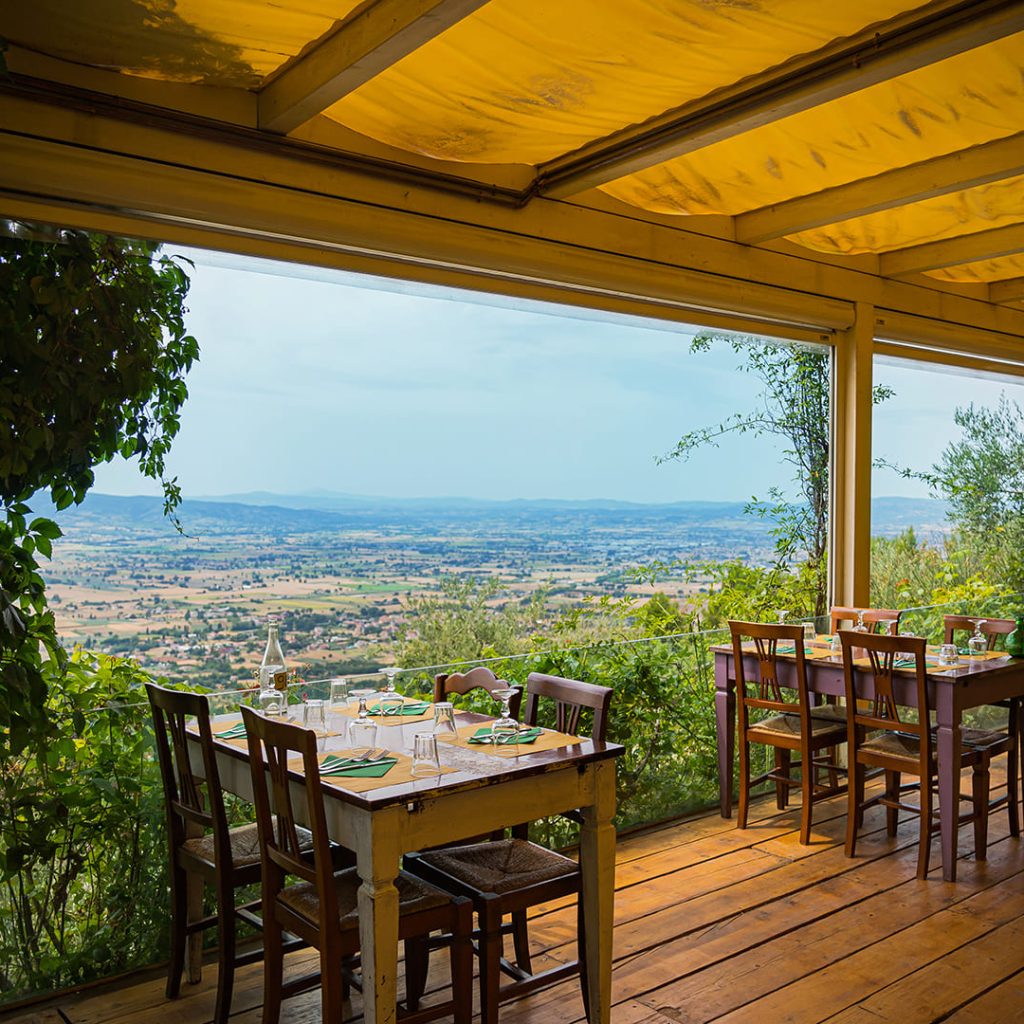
(236,732)
(791,649)
(524,736)
(417,708)
(345,766)
(910,663)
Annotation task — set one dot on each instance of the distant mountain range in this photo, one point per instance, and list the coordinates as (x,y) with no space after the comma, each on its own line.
(266,512)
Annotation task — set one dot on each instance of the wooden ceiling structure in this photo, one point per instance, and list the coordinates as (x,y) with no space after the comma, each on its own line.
(846,174)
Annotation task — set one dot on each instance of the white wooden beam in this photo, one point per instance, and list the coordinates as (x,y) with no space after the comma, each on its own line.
(361,48)
(951,252)
(1007,291)
(953,172)
(924,36)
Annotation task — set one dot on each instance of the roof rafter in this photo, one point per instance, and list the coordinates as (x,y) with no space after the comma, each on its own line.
(361,48)
(929,34)
(952,252)
(953,172)
(1007,291)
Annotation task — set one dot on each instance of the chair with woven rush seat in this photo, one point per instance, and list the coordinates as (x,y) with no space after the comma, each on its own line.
(790,726)
(505,877)
(322,908)
(479,678)
(992,630)
(873,617)
(880,736)
(226,858)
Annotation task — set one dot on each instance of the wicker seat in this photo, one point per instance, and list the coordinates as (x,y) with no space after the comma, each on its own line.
(243,844)
(504,877)
(793,726)
(880,737)
(322,908)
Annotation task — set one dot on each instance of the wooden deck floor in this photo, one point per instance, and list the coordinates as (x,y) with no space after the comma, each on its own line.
(714,924)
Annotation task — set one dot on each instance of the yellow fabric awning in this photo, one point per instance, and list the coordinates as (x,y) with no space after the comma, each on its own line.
(524,82)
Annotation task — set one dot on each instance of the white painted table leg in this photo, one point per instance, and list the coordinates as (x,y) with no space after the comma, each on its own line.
(597,865)
(377,861)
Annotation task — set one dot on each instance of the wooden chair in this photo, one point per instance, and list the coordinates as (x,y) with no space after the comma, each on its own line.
(878,736)
(201,846)
(792,726)
(506,877)
(479,678)
(993,629)
(873,617)
(322,908)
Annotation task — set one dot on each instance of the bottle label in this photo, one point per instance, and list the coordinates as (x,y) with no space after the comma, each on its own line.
(280,680)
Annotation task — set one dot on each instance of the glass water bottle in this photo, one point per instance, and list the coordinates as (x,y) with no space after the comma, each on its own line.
(272,668)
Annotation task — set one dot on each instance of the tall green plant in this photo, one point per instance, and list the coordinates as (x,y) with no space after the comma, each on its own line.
(93,357)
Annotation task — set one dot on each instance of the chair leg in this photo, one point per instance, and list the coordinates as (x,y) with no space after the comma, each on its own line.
(461,956)
(226,956)
(417,955)
(892,792)
(1012,778)
(744,794)
(855,796)
(273,969)
(782,767)
(332,1002)
(807,795)
(980,781)
(521,941)
(490,962)
(179,931)
(925,841)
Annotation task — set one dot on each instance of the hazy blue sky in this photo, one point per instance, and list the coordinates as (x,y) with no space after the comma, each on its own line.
(313,380)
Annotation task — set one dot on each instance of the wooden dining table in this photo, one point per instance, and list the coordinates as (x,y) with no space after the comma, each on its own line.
(479,792)
(974,682)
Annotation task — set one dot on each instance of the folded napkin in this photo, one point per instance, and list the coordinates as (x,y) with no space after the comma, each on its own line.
(410,709)
(910,663)
(523,736)
(791,649)
(236,732)
(349,768)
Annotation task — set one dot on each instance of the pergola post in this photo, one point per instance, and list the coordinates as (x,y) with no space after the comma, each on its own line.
(850,548)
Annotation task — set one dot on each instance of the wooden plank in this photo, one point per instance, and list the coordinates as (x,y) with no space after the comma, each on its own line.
(377,36)
(1002,1004)
(951,172)
(837,987)
(951,252)
(1007,291)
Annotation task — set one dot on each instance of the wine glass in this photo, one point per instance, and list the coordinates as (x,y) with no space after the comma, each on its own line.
(362,733)
(506,726)
(978,643)
(781,616)
(861,626)
(389,674)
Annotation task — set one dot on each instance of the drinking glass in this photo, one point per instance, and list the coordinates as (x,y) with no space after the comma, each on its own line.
(781,616)
(339,693)
(948,655)
(444,719)
(271,702)
(889,626)
(978,642)
(425,759)
(810,633)
(314,716)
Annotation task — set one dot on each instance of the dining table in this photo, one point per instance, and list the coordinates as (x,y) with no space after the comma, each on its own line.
(477,789)
(952,690)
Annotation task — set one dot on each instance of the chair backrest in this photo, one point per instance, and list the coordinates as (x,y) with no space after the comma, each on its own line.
(571,697)
(479,678)
(869,692)
(992,629)
(873,617)
(765,691)
(270,744)
(194,802)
